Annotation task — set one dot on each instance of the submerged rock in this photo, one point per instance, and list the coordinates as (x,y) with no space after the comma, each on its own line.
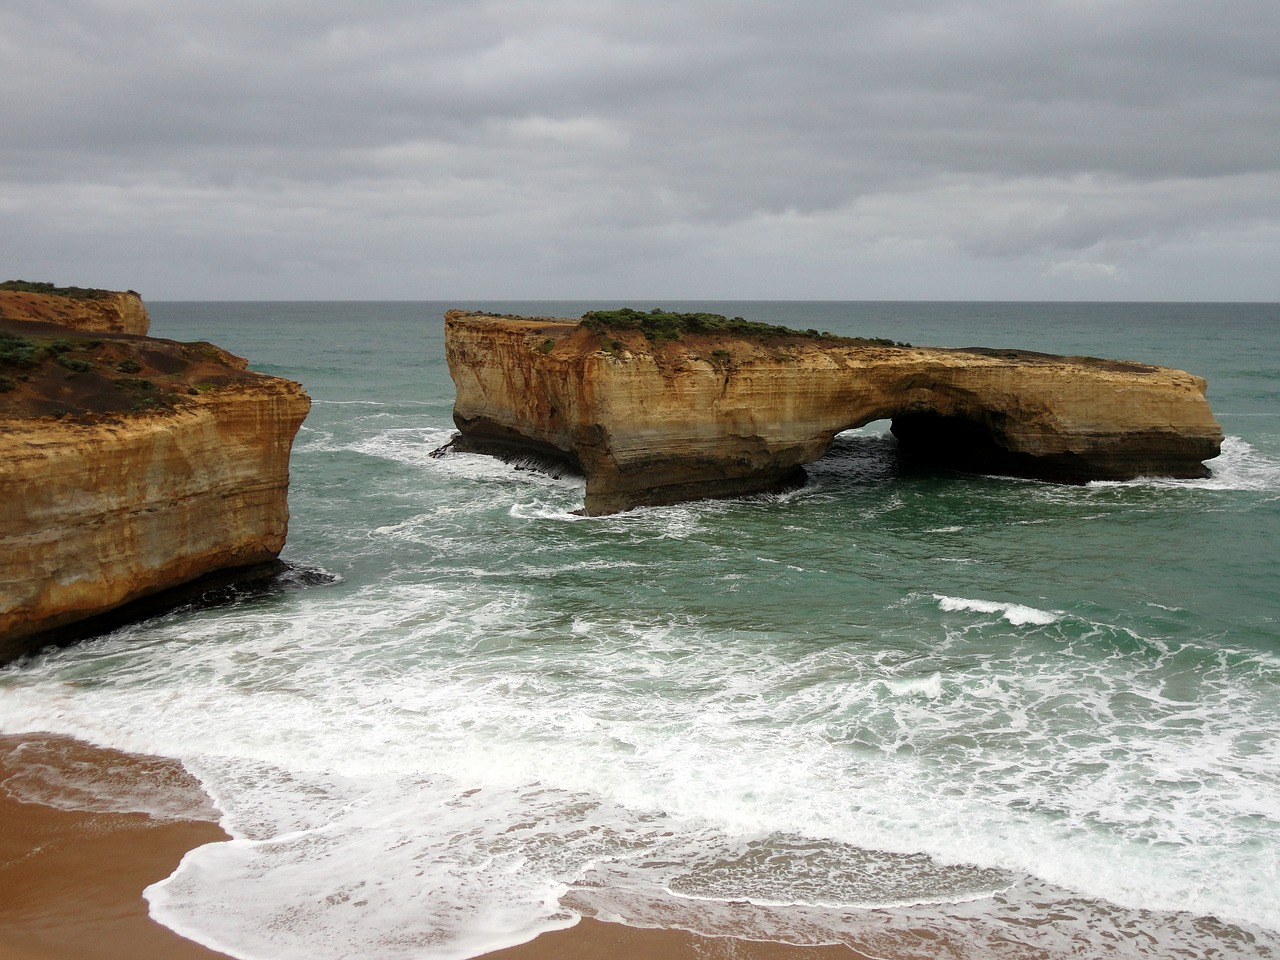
(724,413)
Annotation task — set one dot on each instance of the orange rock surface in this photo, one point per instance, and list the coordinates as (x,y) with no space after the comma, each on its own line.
(715,415)
(130,466)
(97,514)
(122,312)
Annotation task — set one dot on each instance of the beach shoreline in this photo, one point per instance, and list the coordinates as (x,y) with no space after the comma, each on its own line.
(71,884)
(71,881)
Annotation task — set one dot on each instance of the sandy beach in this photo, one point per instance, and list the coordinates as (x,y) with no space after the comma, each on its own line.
(71,881)
(71,885)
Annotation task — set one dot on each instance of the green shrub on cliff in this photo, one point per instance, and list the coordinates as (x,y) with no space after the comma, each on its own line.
(659,324)
(49,289)
(75,364)
(135,383)
(25,353)
(18,351)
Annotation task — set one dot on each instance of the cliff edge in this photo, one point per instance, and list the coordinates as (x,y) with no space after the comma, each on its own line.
(129,467)
(713,412)
(79,308)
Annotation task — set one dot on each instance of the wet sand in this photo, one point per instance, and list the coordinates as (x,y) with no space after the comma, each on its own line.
(593,940)
(71,882)
(71,887)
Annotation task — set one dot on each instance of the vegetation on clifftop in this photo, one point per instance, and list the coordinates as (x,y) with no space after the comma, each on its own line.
(50,290)
(89,374)
(659,324)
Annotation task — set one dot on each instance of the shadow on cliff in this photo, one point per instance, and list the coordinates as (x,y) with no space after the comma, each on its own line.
(223,589)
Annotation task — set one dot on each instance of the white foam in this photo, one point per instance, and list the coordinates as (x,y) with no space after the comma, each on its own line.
(930,686)
(430,767)
(542,511)
(372,403)
(400,869)
(1016,613)
(1240,466)
(409,445)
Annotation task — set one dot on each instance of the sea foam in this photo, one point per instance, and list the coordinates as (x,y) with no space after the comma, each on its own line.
(1016,613)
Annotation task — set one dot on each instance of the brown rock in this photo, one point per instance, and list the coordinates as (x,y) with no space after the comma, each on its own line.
(129,467)
(98,514)
(102,312)
(711,415)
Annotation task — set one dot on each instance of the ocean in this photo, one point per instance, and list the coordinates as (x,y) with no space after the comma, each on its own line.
(925,714)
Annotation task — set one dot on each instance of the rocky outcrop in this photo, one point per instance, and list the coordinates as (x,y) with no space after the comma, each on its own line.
(97,311)
(713,415)
(129,467)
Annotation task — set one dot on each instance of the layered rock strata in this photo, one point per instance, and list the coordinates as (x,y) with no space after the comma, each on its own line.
(657,422)
(97,311)
(130,466)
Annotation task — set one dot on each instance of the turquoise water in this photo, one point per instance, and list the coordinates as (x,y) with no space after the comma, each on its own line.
(1010,715)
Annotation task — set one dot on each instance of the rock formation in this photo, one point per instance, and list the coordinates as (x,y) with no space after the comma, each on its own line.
(652,422)
(100,311)
(130,466)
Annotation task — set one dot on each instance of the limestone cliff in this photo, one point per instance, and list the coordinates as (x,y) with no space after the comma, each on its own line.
(99,311)
(130,466)
(708,415)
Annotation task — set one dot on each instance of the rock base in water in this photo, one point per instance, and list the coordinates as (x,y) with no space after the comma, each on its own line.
(129,467)
(714,414)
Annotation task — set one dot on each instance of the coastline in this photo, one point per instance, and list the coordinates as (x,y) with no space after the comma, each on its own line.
(592,939)
(71,883)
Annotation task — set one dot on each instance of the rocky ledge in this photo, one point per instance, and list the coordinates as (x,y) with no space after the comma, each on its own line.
(129,468)
(657,414)
(80,308)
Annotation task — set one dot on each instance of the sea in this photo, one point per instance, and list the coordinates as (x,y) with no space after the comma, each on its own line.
(925,714)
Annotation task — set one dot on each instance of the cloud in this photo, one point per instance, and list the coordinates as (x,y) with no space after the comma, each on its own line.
(1082,270)
(599,145)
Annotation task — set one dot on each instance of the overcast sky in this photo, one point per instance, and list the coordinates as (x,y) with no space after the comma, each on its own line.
(731,149)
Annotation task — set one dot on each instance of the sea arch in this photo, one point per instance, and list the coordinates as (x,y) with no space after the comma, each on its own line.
(658,422)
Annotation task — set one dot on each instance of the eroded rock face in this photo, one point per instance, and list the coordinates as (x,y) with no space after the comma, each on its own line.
(109,312)
(130,466)
(102,513)
(652,423)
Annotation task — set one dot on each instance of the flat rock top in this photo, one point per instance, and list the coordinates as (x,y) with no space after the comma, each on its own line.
(80,308)
(566,336)
(47,370)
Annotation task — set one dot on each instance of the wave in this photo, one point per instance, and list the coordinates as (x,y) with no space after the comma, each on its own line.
(1016,613)
(373,403)
(526,770)
(1240,466)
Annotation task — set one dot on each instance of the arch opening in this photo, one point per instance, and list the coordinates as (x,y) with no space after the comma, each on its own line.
(926,441)
(954,442)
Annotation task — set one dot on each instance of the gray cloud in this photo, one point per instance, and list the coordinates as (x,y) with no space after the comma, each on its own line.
(590,148)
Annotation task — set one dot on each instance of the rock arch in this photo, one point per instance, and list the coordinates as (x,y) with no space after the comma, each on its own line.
(651,423)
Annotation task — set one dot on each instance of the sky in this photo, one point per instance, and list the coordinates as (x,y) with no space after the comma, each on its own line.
(628,149)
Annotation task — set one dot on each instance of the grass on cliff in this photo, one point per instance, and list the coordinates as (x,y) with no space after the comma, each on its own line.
(25,353)
(52,290)
(659,324)
(89,375)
